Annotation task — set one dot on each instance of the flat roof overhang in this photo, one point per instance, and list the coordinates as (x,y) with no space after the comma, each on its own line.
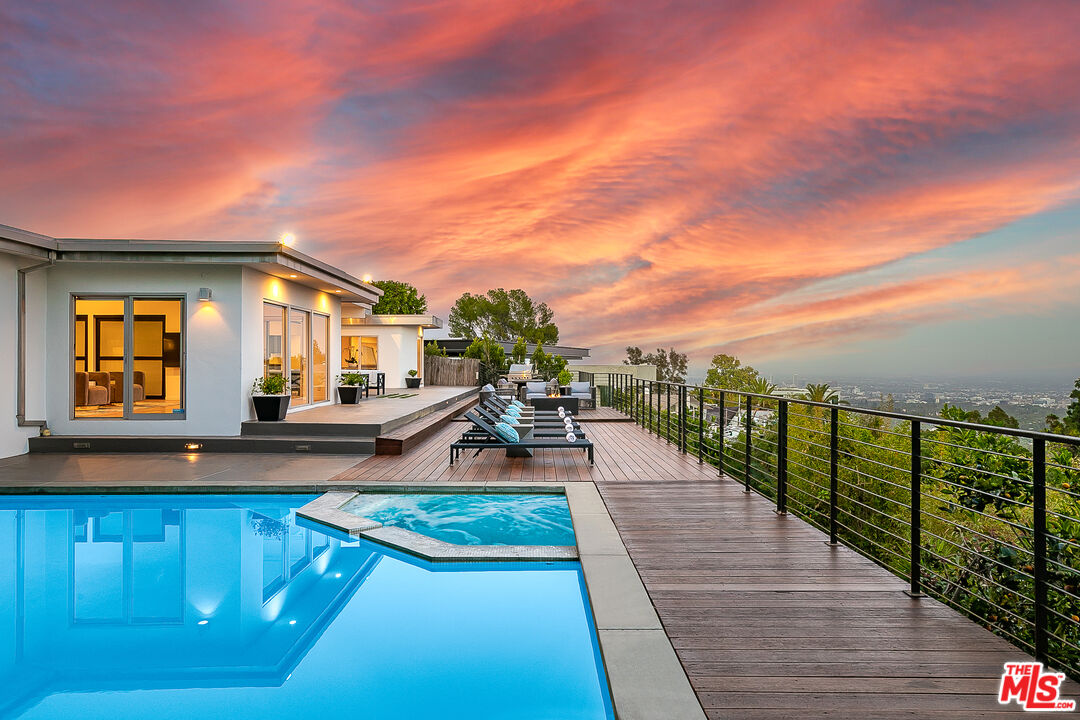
(428,322)
(268,257)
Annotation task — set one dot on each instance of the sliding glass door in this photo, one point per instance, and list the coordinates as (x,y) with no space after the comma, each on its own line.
(127,357)
(298,356)
(320,347)
(303,337)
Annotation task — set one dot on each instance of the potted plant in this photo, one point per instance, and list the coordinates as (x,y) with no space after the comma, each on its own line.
(412,381)
(270,398)
(565,377)
(350,385)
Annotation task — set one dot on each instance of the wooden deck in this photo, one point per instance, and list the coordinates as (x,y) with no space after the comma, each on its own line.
(767,620)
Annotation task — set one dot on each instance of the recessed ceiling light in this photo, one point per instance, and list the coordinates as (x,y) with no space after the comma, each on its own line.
(294,275)
(337,291)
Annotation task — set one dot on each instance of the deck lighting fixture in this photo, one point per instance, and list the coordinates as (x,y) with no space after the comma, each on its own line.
(337,575)
(205,294)
(287,239)
(203,622)
(193,446)
(292,622)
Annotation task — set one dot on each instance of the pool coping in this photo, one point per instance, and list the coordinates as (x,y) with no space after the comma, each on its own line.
(326,510)
(645,678)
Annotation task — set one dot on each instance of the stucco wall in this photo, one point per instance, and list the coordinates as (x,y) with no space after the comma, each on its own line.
(214,388)
(12,437)
(397,349)
(259,287)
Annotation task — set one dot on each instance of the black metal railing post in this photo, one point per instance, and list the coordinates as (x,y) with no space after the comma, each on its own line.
(701,425)
(749,425)
(915,590)
(834,474)
(682,419)
(723,426)
(667,420)
(1038,527)
(781,457)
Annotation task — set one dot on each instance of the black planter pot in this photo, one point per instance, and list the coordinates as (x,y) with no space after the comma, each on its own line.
(270,407)
(411,382)
(349,394)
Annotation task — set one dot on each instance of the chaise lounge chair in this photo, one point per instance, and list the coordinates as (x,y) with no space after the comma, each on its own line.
(497,440)
(540,429)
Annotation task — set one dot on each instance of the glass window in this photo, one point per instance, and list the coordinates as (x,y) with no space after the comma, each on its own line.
(157,346)
(359,353)
(128,357)
(298,355)
(273,339)
(320,346)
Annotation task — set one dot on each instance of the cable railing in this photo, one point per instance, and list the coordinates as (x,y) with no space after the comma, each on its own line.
(984,518)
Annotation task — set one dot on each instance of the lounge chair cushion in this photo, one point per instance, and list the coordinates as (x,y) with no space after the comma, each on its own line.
(571,437)
(517,403)
(514,410)
(534,386)
(509,419)
(580,387)
(507,433)
(488,388)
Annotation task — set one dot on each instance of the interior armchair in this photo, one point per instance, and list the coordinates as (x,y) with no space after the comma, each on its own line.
(138,391)
(87,394)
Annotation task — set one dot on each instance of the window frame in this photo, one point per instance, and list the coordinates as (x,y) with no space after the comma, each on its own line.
(128,413)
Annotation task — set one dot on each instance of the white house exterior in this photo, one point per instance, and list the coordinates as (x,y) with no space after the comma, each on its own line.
(164,338)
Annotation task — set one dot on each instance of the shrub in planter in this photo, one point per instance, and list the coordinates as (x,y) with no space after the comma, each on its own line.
(565,377)
(350,386)
(270,397)
(412,381)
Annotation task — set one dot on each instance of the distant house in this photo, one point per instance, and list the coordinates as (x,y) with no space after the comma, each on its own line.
(455,347)
(164,338)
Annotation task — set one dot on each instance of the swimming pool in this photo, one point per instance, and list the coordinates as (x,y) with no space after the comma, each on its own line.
(228,606)
(491,519)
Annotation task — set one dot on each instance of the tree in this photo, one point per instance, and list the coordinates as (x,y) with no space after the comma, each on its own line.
(492,358)
(821,393)
(519,351)
(399,298)
(728,373)
(1072,413)
(670,365)
(503,315)
(434,348)
(761,386)
(999,417)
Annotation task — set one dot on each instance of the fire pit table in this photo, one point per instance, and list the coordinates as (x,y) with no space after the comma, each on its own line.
(570,404)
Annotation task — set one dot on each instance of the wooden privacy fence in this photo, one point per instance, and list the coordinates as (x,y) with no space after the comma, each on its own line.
(440,370)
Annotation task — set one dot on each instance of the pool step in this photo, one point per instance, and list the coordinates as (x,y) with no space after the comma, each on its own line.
(178,444)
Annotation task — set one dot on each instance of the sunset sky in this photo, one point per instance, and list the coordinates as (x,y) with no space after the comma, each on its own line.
(828,188)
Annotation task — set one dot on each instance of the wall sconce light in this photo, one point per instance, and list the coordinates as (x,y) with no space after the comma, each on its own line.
(193,446)
(205,294)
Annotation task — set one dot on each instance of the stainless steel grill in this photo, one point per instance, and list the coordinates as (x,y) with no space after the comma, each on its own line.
(520,371)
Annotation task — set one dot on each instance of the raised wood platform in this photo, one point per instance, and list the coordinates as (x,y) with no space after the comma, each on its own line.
(407,437)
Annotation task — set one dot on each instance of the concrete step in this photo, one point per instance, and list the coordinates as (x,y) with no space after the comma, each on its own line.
(176,444)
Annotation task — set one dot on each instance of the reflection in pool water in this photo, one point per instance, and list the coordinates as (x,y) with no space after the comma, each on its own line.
(227,606)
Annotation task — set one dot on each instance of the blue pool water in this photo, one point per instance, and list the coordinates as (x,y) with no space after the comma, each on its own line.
(229,607)
(493,519)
